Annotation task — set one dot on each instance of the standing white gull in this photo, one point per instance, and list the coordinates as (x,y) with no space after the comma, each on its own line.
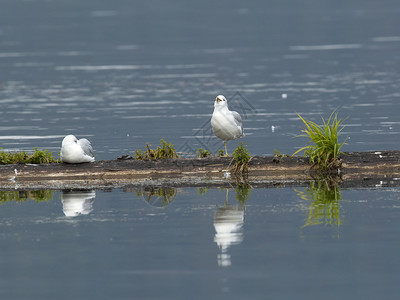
(74,151)
(226,125)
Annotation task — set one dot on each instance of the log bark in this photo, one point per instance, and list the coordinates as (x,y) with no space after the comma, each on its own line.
(358,169)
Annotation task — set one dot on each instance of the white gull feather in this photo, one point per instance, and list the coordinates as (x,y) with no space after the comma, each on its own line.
(76,151)
(226,125)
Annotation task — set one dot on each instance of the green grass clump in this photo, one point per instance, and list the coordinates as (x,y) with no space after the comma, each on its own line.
(7,158)
(163,151)
(23,157)
(242,158)
(140,155)
(323,149)
(220,153)
(241,154)
(202,153)
(278,156)
(41,157)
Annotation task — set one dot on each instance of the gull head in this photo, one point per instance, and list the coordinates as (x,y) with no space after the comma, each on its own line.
(69,139)
(220,101)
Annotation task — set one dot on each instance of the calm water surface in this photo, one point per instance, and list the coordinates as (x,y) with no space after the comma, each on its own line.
(278,243)
(129,72)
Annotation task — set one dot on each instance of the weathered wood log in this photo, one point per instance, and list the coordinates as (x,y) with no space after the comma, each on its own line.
(358,169)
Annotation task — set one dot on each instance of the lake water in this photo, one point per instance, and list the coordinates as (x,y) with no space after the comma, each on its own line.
(281,243)
(124,73)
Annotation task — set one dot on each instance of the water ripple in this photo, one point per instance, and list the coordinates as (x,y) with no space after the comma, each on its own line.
(325,47)
(30,137)
(385,39)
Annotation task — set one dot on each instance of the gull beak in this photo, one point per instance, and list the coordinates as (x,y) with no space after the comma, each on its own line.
(218,100)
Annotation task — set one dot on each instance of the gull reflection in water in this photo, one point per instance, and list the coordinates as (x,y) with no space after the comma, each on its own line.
(77,203)
(228,224)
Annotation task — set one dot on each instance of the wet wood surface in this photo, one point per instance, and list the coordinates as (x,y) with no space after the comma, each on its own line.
(359,169)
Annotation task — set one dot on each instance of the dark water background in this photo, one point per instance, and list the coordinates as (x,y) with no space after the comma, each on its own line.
(274,243)
(123,73)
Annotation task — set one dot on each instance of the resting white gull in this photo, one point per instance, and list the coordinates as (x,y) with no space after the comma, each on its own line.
(74,151)
(226,125)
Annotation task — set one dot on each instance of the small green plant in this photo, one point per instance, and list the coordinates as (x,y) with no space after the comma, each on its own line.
(220,153)
(164,151)
(323,149)
(41,157)
(242,158)
(140,155)
(5,158)
(23,157)
(278,156)
(202,153)
(12,157)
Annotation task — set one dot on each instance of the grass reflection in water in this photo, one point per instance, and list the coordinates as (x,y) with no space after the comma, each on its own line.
(38,196)
(158,196)
(323,204)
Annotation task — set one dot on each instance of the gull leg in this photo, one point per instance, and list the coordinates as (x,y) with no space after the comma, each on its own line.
(226,151)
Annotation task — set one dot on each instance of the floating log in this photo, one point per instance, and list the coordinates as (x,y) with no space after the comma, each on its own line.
(358,169)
